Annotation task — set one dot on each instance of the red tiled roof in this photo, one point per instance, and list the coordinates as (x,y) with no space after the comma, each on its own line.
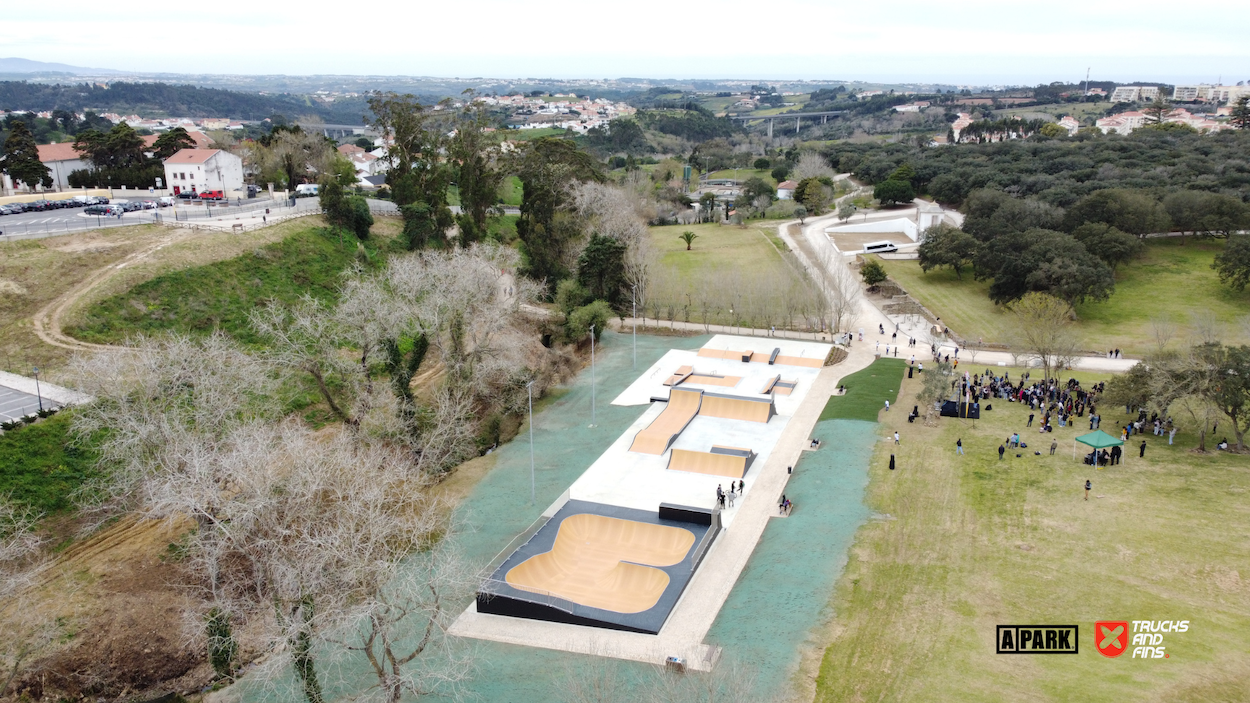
(201,139)
(790,185)
(58,152)
(192,156)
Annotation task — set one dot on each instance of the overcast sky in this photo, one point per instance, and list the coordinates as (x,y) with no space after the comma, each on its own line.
(969,42)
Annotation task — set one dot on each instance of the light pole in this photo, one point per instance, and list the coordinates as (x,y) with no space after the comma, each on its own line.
(38,392)
(633,294)
(592,375)
(529,389)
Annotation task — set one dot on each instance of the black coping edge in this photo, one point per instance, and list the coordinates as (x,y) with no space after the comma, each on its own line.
(514,602)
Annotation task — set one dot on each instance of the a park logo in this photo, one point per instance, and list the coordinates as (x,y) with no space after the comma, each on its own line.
(1037,639)
(1111,637)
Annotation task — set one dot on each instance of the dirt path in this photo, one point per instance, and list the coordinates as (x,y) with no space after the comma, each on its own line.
(47,322)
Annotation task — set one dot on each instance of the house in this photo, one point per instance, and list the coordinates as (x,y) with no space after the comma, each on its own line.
(1070,123)
(962,120)
(1123,123)
(912,107)
(62,160)
(785,190)
(198,170)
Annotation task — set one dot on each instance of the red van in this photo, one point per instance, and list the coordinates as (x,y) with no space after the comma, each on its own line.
(212,195)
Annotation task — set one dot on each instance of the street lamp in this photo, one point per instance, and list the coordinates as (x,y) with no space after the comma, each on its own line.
(633,294)
(592,375)
(529,389)
(38,392)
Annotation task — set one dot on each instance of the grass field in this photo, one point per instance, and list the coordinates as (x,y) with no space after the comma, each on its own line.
(718,248)
(1172,281)
(744,173)
(222,294)
(866,392)
(964,543)
(524,135)
(510,191)
(41,466)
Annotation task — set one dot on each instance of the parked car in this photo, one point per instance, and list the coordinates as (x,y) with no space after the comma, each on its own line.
(188,195)
(4,210)
(212,195)
(131,207)
(149,204)
(99,209)
(38,206)
(306,189)
(165,201)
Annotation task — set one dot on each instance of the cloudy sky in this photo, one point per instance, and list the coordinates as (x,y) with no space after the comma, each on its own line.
(973,41)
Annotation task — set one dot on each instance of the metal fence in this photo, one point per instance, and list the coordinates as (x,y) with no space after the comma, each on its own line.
(76,221)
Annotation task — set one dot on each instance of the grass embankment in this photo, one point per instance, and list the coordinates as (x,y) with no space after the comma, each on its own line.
(222,294)
(41,466)
(866,392)
(970,542)
(35,272)
(510,191)
(1170,280)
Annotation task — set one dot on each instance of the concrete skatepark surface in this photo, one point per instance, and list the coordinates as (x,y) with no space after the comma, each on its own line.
(656,438)
(733,466)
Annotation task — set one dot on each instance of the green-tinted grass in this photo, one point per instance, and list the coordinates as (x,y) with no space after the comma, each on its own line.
(524,135)
(502,228)
(1172,280)
(718,247)
(866,392)
(40,467)
(221,295)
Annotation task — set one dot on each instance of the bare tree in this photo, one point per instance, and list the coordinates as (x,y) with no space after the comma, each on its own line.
(1206,328)
(1043,331)
(24,630)
(1163,330)
(811,165)
(311,538)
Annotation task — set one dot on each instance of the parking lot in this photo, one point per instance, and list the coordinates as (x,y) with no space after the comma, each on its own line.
(15,404)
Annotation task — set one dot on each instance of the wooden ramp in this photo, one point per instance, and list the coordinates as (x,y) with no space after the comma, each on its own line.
(605,562)
(657,437)
(732,407)
(682,373)
(730,462)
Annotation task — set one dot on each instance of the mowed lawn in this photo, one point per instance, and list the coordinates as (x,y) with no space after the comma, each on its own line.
(964,543)
(726,249)
(867,391)
(1171,280)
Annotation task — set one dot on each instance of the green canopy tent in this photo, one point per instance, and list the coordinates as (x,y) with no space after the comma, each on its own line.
(1097,440)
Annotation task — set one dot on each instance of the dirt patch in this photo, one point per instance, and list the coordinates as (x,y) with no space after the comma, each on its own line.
(11,288)
(121,624)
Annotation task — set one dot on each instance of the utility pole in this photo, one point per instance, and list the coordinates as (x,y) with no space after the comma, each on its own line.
(592,375)
(38,392)
(529,388)
(633,294)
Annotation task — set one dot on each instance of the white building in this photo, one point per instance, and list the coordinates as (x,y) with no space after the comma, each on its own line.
(61,160)
(1134,93)
(198,170)
(785,190)
(1071,124)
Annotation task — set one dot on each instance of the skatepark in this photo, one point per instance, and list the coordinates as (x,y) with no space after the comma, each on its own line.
(637,555)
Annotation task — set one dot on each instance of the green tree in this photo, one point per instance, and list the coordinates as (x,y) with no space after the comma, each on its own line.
(813,194)
(872,272)
(577,325)
(1043,261)
(1129,211)
(800,212)
(688,237)
(846,210)
(570,295)
(707,202)
(419,174)
(945,245)
(477,174)
(21,158)
(1240,117)
(601,268)
(1158,109)
(1233,264)
(171,143)
(1186,209)
(1231,391)
(547,168)
(1052,130)
(755,187)
(120,148)
(1109,244)
(421,226)
(893,191)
